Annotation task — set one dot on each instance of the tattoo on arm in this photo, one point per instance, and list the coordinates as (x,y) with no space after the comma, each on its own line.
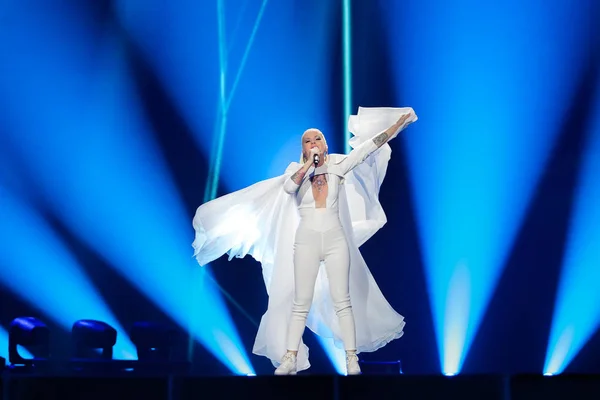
(380,139)
(297,177)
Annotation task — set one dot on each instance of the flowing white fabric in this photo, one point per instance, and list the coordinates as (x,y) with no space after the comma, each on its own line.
(261,221)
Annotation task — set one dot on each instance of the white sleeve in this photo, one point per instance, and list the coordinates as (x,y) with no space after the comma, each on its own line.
(356,156)
(290,186)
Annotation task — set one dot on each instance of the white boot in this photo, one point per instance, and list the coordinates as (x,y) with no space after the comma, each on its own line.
(352,367)
(288,365)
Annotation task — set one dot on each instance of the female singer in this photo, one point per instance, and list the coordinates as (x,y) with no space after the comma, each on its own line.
(305,219)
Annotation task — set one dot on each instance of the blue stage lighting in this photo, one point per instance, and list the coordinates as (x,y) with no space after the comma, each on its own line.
(490,93)
(179,39)
(347,70)
(101,174)
(577,309)
(336,355)
(217,93)
(48,278)
(256,124)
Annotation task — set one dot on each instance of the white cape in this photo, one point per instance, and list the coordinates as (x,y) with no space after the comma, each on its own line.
(261,221)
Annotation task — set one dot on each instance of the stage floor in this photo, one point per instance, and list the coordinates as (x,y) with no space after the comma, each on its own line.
(307,387)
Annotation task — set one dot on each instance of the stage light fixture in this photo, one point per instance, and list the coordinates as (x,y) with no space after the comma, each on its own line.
(89,335)
(30,332)
(153,341)
(157,346)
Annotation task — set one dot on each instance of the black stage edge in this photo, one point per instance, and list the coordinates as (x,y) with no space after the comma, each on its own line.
(305,387)
(568,386)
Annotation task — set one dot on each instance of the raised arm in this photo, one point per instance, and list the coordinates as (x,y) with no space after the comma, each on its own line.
(391,132)
(361,152)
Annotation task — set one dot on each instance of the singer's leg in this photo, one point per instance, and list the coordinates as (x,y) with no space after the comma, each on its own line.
(306,267)
(307,258)
(337,264)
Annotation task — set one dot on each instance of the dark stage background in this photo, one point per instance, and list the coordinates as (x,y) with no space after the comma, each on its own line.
(119,118)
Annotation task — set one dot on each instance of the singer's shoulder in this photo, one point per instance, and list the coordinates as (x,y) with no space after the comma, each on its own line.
(336,158)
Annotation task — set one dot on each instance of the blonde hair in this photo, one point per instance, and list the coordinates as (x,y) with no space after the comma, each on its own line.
(302,158)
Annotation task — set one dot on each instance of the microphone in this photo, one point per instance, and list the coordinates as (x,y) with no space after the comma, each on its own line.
(316,160)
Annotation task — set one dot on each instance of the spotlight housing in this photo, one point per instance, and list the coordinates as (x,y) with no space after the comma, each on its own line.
(90,334)
(29,332)
(153,341)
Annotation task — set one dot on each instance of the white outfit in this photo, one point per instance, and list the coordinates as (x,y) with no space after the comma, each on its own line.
(320,238)
(262,220)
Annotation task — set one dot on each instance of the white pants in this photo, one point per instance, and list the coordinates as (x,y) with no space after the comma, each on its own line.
(320,237)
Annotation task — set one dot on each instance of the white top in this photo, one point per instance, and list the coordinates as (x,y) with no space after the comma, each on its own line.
(336,167)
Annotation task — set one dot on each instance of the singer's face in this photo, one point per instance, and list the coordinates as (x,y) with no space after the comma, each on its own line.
(313,138)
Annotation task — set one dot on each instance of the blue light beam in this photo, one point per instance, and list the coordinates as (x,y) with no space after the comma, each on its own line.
(37,267)
(577,310)
(490,93)
(336,355)
(229,80)
(347,68)
(267,105)
(226,98)
(273,102)
(100,171)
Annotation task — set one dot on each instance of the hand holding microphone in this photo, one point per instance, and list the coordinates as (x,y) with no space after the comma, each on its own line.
(316,157)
